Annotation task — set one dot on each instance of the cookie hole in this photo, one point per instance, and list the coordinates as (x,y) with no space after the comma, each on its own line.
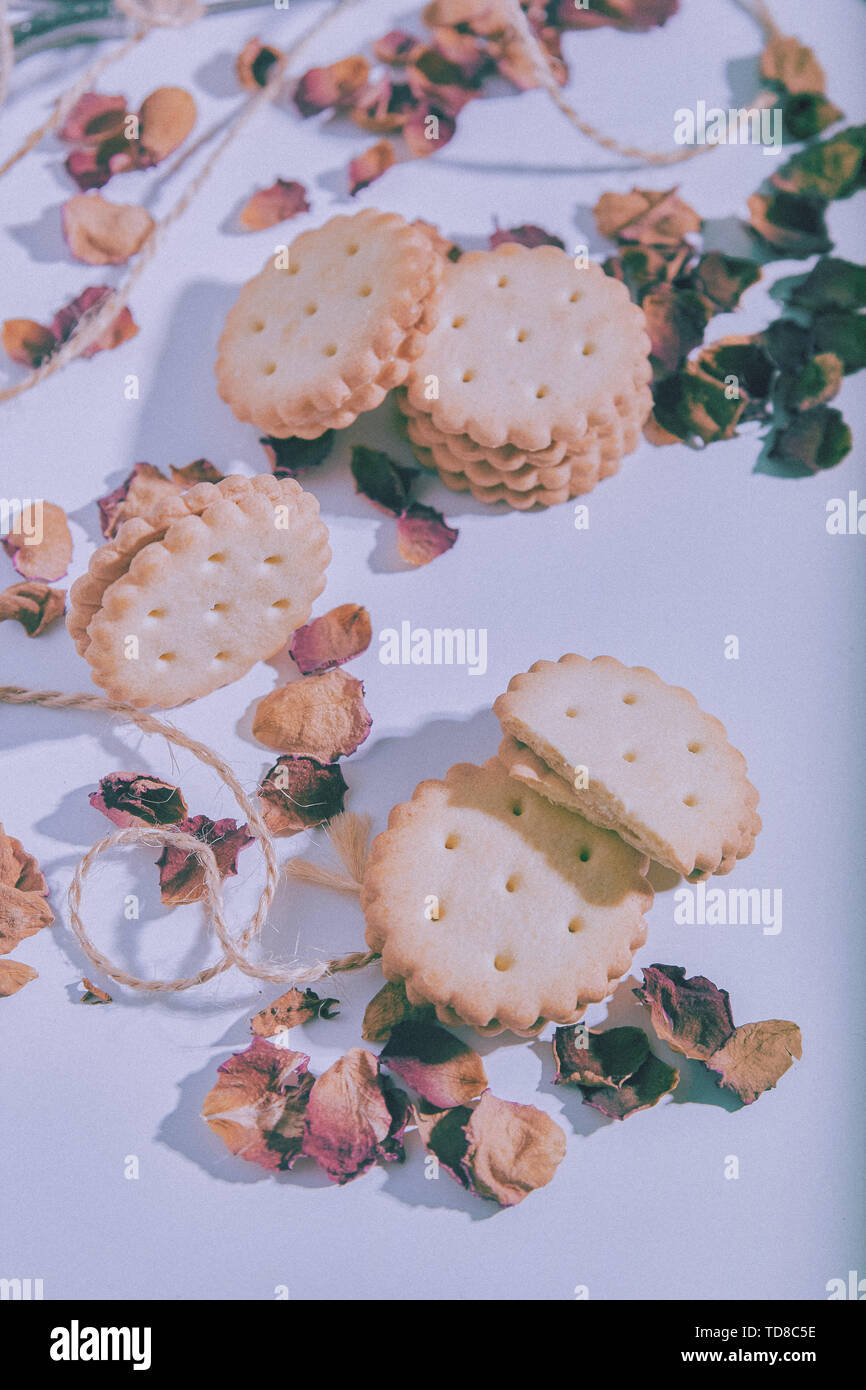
(517,809)
(310,309)
(523,335)
(629,757)
(282,603)
(541,392)
(217,558)
(574,297)
(512,884)
(452,842)
(690,801)
(331,350)
(273,560)
(269,368)
(571,712)
(585,855)
(695,747)
(352,249)
(168,656)
(629,699)
(588,349)
(575,925)
(468,376)
(458,322)
(293,269)
(256,326)
(221,656)
(156,613)
(502,282)
(219,608)
(365,291)
(503,962)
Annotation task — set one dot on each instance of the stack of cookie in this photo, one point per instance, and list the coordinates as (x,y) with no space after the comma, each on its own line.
(329,327)
(513,894)
(533,383)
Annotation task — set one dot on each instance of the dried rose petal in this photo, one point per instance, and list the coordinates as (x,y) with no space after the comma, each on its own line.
(320,89)
(620,14)
(434,1063)
(675,320)
(294,1007)
(648,217)
(299,793)
(257,1105)
(831,284)
(87,169)
(640,1091)
(23,890)
(791,223)
(692,405)
(467,52)
(365,168)
(136,798)
(423,533)
(755,1056)
(145,491)
(746,359)
(447,248)
(609,1057)
(102,233)
(388,1008)
(527,235)
(39,543)
(499,1150)
(67,319)
(813,441)
(286,456)
(439,83)
(165,119)
(691,1015)
(383,106)
(819,382)
(336,637)
(92,118)
(254,65)
(831,169)
(792,65)
(844,334)
(320,717)
(28,342)
(354,1116)
(14,975)
(806,115)
(93,994)
(181,875)
(34,606)
(427,129)
(721,280)
(382,481)
(395,47)
(199,471)
(267,207)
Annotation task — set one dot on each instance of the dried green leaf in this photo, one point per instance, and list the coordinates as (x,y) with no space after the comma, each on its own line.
(806,115)
(815,440)
(791,65)
(691,405)
(818,383)
(832,283)
(844,335)
(792,224)
(830,170)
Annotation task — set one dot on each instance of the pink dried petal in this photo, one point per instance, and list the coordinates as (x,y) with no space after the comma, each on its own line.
(499,1150)
(85,167)
(39,543)
(434,1063)
(292,1009)
(267,207)
(423,533)
(102,233)
(691,1015)
(254,65)
(27,342)
(527,235)
(320,717)
(34,606)
(390,1007)
(299,793)
(441,84)
(395,47)
(67,319)
(336,637)
(354,1117)
(181,875)
(426,130)
(383,106)
(337,85)
(136,798)
(620,14)
(199,471)
(257,1105)
(92,118)
(365,168)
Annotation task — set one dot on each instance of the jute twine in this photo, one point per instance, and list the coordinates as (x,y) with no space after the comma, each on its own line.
(349,835)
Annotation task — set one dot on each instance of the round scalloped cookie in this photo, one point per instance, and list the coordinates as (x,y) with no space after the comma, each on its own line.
(307,345)
(528,349)
(539,913)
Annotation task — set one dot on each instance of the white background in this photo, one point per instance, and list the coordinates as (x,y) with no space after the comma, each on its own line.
(683,549)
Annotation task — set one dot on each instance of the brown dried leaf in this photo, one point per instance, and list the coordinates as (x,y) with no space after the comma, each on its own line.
(23,890)
(365,168)
(40,544)
(14,975)
(337,85)
(254,65)
(136,798)
(294,1007)
(645,216)
(792,65)
(390,1007)
(299,793)
(165,119)
(442,1069)
(338,636)
(267,207)
(499,1150)
(791,223)
(423,533)
(320,717)
(257,1105)
(93,994)
(34,606)
(181,874)
(354,1117)
(756,1056)
(102,233)
(27,342)
(691,1015)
